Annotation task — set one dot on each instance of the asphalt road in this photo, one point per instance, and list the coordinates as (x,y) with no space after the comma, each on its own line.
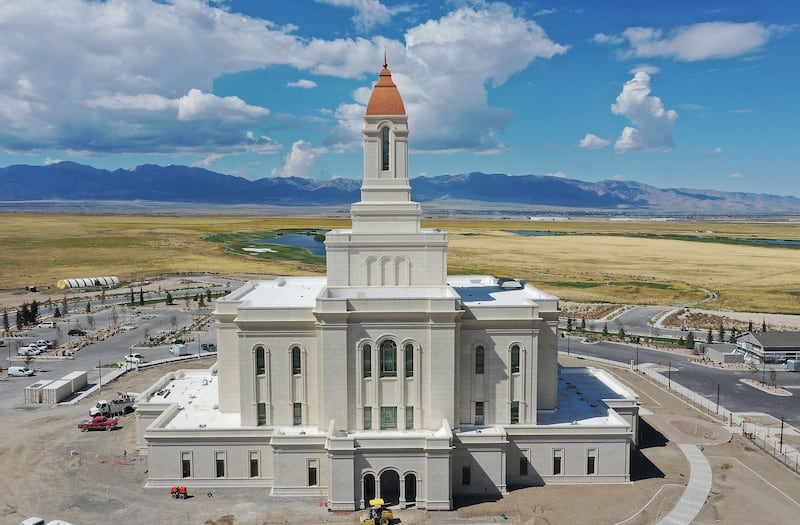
(733,394)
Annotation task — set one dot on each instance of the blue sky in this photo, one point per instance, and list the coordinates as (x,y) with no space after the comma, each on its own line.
(673,94)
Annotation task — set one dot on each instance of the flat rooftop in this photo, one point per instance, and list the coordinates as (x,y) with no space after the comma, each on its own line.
(196,392)
(485,290)
(284,292)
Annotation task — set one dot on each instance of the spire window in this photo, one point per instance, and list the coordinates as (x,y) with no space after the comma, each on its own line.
(385,149)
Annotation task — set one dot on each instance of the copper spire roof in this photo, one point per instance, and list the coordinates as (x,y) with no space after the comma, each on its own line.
(385,98)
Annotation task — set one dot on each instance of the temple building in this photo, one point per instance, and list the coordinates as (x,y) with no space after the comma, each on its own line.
(387,378)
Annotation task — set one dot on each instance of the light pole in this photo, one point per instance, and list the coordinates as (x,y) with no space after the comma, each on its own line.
(717,398)
(781,445)
(637,356)
(669,375)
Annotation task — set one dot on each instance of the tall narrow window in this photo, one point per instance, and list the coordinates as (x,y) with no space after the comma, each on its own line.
(409,355)
(515,359)
(298,413)
(385,149)
(366,360)
(466,475)
(367,418)
(388,359)
(312,472)
(186,464)
(558,461)
(479,357)
(388,418)
(254,461)
(409,418)
(297,366)
(514,412)
(479,412)
(261,366)
(262,414)
(219,462)
(591,462)
(523,466)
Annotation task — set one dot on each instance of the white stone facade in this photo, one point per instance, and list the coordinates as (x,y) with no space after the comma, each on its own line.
(387,377)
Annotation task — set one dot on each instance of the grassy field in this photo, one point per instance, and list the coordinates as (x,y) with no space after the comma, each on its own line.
(591,261)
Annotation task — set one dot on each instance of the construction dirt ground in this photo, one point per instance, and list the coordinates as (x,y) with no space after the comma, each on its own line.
(52,470)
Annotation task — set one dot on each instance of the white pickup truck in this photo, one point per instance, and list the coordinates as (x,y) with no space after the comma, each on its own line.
(122,405)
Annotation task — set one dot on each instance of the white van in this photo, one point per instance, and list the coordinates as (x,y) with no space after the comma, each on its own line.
(179,349)
(19,371)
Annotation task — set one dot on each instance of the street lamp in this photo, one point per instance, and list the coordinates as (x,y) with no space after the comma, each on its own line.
(781,445)
(717,398)
(637,355)
(669,375)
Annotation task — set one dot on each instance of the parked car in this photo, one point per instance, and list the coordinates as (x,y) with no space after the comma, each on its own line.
(30,349)
(209,347)
(48,324)
(76,331)
(44,343)
(2,343)
(19,371)
(135,358)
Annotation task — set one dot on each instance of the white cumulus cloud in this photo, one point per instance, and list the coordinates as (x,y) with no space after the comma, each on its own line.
(702,41)
(652,124)
(369,13)
(303,83)
(592,141)
(302,161)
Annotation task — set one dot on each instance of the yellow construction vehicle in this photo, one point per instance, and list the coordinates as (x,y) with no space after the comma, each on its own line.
(377,514)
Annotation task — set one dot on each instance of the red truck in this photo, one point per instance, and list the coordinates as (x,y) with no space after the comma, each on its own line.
(99,423)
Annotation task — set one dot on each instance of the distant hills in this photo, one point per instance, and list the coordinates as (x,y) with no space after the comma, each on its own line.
(69,181)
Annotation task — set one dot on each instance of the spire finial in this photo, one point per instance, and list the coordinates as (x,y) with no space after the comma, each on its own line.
(385,64)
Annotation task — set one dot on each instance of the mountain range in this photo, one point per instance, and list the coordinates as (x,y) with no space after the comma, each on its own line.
(69,181)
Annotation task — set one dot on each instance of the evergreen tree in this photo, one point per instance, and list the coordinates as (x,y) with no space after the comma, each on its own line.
(621,333)
(34,312)
(88,307)
(733,335)
(709,337)
(605,330)
(690,340)
(103,296)
(749,326)
(583,323)
(569,324)
(202,300)
(208,296)
(763,325)
(721,333)
(64,305)
(133,300)
(6,326)
(18,320)
(141,297)
(23,315)
(169,298)
(57,313)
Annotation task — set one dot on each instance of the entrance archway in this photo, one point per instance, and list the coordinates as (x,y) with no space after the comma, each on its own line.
(369,489)
(411,488)
(390,487)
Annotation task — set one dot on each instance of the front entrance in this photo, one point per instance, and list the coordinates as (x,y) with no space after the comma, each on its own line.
(390,487)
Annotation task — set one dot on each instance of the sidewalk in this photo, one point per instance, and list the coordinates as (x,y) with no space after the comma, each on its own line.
(696,492)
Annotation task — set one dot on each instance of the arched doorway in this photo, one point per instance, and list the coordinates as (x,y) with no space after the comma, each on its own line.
(390,487)
(411,488)
(369,489)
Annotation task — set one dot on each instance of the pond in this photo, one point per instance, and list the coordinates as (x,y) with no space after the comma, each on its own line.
(530,233)
(297,240)
(774,241)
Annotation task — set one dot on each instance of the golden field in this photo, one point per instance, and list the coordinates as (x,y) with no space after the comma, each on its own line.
(593,261)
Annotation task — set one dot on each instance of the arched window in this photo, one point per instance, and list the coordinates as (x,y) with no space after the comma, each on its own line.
(297,366)
(388,359)
(261,364)
(479,359)
(409,355)
(366,360)
(385,148)
(515,359)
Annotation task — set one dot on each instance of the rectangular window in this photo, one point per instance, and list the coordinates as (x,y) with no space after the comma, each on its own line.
(298,413)
(479,407)
(466,475)
(388,418)
(388,359)
(479,359)
(591,462)
(514,412)
(366,361)
(409,360)
(385,149)
(219,462)
(254,461)
(515,359)
(523,466)
(367,418)
(186,464)
(409,418)
(262,414)
(312,473)
(558,461)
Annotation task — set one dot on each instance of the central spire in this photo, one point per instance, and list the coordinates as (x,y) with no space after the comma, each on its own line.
(385,98)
